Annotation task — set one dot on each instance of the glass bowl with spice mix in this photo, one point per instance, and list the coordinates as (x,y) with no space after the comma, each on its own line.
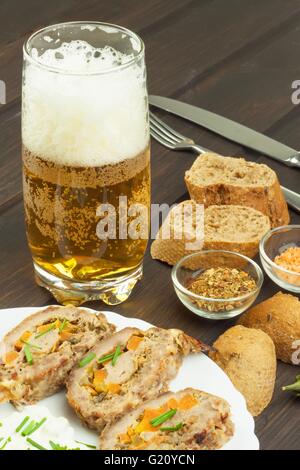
(217,284)
(280,256)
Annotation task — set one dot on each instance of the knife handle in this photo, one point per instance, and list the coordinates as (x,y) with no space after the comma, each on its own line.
(292,198)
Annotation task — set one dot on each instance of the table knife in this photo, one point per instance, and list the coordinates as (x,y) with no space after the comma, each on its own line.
(229,129)
(292,198)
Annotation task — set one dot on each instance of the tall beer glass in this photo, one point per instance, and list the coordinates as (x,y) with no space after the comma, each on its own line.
(86,159)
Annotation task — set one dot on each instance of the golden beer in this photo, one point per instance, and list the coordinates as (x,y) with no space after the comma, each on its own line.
(81,150)
(60,209)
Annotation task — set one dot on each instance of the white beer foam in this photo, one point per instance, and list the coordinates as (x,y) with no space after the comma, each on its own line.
(84,120)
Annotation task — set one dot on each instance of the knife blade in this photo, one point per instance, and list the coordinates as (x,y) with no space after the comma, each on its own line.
(229,129)
(292,198)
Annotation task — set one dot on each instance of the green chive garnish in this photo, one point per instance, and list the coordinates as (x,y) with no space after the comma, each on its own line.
(116,355)
(172,428)
(108,357)
(57,446)
(35,444)
(87,359)
(162,418)
(52,327)
(22,424)
(36,426)
(5,443)
(89,446)
(28,354)
(28,428)
(30,344)
(112,356)
(63,325)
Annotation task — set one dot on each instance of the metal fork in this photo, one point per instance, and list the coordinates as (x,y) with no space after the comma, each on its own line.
(170,138)
(173,140)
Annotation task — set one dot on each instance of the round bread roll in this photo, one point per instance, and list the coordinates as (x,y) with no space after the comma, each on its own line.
(279,317)
(248,358)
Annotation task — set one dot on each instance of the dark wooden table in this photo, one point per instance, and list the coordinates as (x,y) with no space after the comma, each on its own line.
(235,57)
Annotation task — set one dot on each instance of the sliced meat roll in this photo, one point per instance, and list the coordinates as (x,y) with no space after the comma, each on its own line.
(186,420)
(130,367)
(38,354)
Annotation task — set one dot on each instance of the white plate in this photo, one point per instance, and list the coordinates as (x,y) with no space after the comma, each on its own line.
(197,371)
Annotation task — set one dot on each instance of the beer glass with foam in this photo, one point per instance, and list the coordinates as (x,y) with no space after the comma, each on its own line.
(86,160)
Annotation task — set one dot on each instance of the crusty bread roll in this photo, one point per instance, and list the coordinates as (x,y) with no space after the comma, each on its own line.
(233,228)
(214,179)
(248,357)
(279,317)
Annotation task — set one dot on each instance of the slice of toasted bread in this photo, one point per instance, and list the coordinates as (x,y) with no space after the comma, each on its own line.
(232,228)
(214,179)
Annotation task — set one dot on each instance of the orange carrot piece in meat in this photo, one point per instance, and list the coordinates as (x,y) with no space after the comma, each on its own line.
(113,388)
(187,402)
(24,338)
(10,357)
(134,342)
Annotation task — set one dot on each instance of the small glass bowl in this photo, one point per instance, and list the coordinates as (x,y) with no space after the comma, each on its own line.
(191,266)
(274,243)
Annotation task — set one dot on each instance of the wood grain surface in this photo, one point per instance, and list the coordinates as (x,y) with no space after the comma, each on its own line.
(234,57)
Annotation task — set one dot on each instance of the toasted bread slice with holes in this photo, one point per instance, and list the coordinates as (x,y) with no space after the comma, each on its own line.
(214,179)
(232,228)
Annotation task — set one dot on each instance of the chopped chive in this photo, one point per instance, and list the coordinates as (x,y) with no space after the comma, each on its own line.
(57,446)
(35,444)
(112,356)
(87,359)
(5,443)
(52,327)
(53,445)
(30,344)
(28,354)
(116,355)
(162,418)
(36,426)
(89,446)
(22,424)
(63,325)
(28,428)
(108,357)
(172,428)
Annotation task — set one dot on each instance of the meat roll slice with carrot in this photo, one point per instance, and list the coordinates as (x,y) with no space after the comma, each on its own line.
(38,354)
(123,371)
(185,420)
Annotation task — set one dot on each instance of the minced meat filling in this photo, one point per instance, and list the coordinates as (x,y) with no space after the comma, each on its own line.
(102,370)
